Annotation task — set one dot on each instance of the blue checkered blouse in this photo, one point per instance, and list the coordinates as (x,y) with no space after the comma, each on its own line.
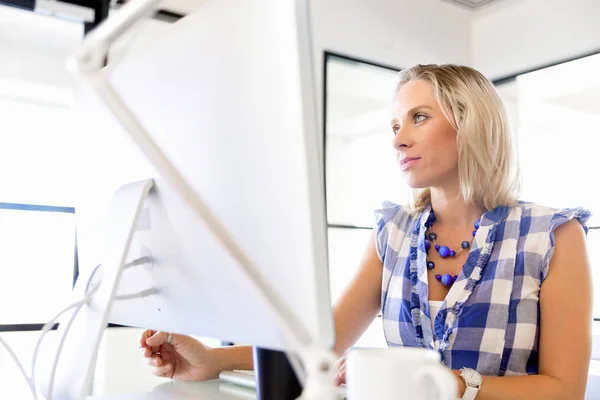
(489,321)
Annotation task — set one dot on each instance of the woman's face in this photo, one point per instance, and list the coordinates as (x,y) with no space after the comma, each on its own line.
(423,138)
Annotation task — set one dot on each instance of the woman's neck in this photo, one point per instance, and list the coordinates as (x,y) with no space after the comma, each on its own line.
(451,209)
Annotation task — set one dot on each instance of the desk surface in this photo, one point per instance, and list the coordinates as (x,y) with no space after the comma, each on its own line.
(219,390)
(177,390)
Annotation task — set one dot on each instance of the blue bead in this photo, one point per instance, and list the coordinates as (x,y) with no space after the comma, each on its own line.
(452,253)
(447,280)
(474,233)
(431,218)
(438,277)
(437,247)
(430,265)
(427,245)
(444,251)
(432,236)
(477,224)
(465,245)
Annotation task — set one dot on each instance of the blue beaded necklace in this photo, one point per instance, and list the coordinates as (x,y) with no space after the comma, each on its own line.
(444,251)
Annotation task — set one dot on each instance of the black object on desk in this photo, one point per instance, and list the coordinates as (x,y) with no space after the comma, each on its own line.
(275,378)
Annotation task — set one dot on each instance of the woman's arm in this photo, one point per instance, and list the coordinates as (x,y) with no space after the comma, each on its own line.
(360,302)
(565,328)
(353,312)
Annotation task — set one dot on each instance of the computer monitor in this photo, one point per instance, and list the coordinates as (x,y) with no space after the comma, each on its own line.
(222,113)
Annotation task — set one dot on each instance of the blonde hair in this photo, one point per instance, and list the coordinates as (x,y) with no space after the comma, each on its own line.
(487,165)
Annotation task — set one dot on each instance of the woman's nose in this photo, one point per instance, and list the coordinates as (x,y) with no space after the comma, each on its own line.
(401,139)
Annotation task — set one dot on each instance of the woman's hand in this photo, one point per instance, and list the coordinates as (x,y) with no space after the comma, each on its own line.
(340,377)
(179,357)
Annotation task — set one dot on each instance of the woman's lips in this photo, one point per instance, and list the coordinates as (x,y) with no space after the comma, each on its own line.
(408,162)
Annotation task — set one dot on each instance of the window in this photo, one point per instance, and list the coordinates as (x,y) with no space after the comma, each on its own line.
(360,161)
(360,165)
(37,257)
(555,115)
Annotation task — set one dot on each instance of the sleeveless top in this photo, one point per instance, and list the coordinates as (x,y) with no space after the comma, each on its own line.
(434,308)
(489,321)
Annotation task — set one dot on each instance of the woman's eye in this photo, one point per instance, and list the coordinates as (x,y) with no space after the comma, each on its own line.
(420,118)
(395,129)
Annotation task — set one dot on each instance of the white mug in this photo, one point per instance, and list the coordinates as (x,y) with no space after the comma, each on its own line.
(398,373)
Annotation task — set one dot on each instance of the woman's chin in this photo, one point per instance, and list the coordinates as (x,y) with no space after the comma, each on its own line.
(415,183)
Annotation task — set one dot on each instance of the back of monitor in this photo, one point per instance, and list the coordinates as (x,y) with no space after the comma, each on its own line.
(227,95)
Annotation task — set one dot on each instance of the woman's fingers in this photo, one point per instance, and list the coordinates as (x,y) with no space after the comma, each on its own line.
(146,352)
(145,335)
(341,372)
(340,378)
(151,351)
(155,361)
(146,341)
(157,340)
(157,355)
(165,371)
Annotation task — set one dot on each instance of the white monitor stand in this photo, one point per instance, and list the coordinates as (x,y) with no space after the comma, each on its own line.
(232,215)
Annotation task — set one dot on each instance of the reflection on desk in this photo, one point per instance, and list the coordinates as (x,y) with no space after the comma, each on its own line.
(177,390)
(209,390)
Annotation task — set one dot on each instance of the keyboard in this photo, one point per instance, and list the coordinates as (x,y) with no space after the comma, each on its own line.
(240,378)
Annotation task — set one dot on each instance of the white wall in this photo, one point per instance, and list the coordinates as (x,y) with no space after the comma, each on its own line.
(393,32)
(515,35)
(398,33)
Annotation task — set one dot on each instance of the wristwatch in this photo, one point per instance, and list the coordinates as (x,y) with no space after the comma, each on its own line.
(472,380)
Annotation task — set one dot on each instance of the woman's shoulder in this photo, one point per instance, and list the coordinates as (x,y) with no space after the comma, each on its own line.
(540,223)
(400,216)
(546,218)
(394,222)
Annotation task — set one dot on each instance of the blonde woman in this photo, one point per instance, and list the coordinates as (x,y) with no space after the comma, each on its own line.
(500,288)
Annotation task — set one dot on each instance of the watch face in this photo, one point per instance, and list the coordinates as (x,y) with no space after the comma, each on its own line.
(472,376)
